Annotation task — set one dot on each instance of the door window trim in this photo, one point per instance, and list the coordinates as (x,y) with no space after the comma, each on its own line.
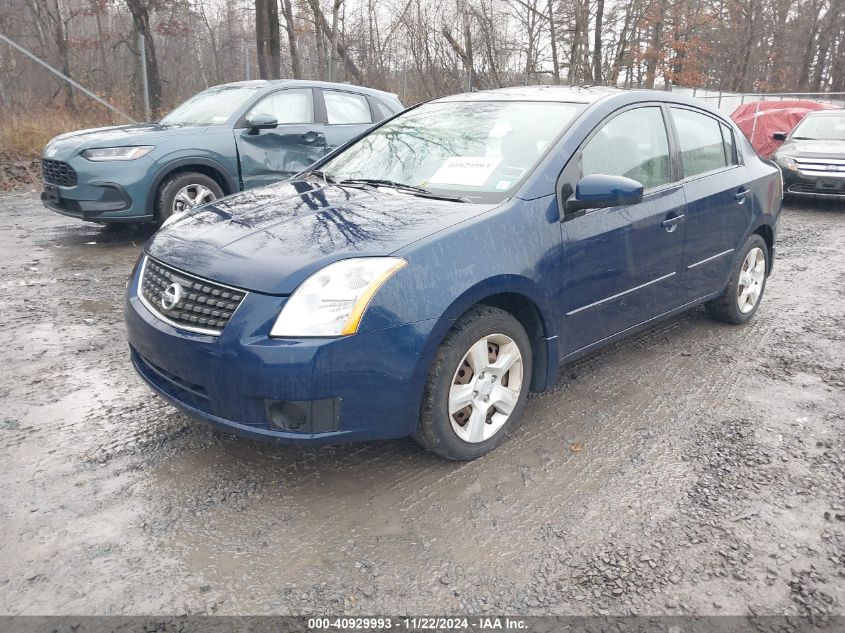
(705,174)
(674,159)
(241,122)
(325,113)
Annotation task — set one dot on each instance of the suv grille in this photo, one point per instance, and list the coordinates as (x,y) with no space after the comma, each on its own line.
(186,301)
(821,167)
(57,172)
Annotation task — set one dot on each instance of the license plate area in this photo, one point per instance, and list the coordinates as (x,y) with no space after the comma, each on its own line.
(829,185)
(51,194)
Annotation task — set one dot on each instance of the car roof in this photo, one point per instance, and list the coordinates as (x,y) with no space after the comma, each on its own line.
(568,94)
(304,83)
(586,95)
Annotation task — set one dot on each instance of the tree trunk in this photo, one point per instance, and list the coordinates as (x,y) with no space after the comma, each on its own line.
(267,39)
(464,56)
(333,38)
(597,42)
(342,51)
(655,46)
(141,19)
(553,36)
(295,63)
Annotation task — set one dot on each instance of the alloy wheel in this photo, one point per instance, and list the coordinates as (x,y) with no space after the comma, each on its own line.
(751,278)
(191,196)
(485,388)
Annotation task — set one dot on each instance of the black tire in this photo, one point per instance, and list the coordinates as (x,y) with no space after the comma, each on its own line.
(173,184)
(726,307)
(435,431)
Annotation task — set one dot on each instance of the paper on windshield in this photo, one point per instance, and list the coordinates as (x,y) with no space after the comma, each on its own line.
(472,171)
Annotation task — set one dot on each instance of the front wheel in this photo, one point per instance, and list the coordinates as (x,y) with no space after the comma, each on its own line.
(745,288)
(477,386)
(184,190)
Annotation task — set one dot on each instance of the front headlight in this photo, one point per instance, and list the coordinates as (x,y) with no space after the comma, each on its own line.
(332,301)
(130,152)
(786,162)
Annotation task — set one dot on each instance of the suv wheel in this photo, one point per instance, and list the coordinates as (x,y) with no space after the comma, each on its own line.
(744,291)
(184,190)
(477,386)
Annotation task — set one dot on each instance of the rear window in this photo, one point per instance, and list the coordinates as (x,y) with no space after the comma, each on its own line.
(700,138)
(345,108)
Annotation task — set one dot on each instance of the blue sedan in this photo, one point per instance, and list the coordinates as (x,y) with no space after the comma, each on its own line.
(422,279)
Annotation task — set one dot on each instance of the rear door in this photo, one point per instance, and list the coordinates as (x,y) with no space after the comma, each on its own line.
(718,196)
(622,262)
(346,115)
(270,155)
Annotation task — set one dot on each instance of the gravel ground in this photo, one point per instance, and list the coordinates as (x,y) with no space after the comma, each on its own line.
(695,468)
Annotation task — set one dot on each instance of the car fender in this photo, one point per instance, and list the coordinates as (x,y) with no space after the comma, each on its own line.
(171,164)
(489,290)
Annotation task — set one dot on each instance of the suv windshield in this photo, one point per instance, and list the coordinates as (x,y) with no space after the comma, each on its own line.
(823,127)
(476,150)
(214,106)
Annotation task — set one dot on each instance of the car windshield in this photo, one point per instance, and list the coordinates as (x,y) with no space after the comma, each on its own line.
(475,150)
(824,127)
(214,106)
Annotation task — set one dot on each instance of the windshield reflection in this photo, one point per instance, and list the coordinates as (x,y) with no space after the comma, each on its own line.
(478,150)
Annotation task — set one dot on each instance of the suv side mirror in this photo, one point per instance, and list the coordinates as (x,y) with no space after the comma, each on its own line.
(597,191)
(779,136)
(261,121)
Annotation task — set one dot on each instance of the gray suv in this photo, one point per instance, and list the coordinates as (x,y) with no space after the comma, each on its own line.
(225,139)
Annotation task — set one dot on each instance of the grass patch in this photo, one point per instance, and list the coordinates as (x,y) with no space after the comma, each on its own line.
(23,136)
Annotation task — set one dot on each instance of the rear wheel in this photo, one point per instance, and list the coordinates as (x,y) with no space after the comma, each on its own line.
(745,288)
(184,190)
(477,386)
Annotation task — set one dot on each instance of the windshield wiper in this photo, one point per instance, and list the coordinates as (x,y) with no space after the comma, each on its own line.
(803,138)
(411,189)
(328,178)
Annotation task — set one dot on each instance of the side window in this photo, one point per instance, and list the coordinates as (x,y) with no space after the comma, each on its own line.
(700,142)
(382,111)
(632,144)
(728,140)
(345,108)
(288,106)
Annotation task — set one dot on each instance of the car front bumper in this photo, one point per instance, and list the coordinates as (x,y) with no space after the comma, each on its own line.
(107,191)
(796,183)
(315,390)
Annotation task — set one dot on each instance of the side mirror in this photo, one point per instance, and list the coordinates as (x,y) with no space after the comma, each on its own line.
(779,136)
(598,191)
(261,121)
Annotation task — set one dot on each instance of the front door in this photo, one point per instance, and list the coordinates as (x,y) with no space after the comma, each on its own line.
(270,155)
(719,200)
(622,262)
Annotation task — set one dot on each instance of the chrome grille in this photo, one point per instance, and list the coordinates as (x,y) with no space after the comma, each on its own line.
(821,167)
(56,172)
(187,301)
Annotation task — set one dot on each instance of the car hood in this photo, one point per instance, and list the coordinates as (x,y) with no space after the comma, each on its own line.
(269,240)
(65,145)
(813,149)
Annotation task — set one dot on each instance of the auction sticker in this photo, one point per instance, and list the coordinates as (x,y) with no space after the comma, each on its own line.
(472,171)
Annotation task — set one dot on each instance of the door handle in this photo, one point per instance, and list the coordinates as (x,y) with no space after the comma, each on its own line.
(740,194)
(671,222)
(312,137)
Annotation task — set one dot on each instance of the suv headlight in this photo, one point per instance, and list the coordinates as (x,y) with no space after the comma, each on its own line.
(787,162)
(130,152)
(332,301)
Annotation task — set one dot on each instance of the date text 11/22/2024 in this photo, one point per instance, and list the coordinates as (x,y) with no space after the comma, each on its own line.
(420,623)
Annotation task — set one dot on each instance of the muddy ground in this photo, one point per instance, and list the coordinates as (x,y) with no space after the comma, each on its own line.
(695,468)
